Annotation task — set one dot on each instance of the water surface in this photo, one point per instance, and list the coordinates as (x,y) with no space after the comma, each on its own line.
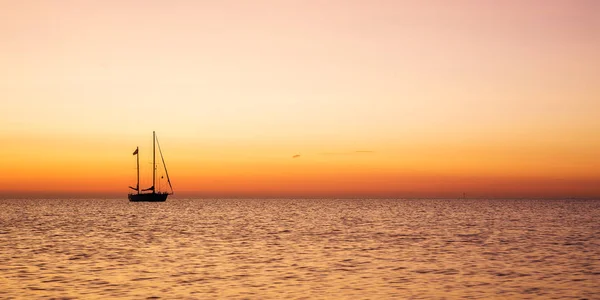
(300,249)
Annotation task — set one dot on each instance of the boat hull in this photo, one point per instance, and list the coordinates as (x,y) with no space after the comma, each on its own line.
(149,197)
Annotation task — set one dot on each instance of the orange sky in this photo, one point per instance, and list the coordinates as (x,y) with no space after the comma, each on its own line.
(379,98)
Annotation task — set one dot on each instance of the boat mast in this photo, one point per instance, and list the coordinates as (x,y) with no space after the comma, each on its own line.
(153,161)
(138,169)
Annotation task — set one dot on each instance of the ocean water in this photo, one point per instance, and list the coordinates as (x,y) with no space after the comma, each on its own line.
(300,249)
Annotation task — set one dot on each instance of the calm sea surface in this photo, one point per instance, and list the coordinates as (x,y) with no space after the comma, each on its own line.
(311,249)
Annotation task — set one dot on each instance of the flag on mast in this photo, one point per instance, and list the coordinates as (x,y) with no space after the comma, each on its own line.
(136,151)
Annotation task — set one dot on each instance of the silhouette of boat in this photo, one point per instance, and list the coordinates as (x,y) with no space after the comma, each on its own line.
(151,194)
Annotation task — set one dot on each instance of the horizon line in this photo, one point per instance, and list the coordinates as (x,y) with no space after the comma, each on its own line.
(207,195)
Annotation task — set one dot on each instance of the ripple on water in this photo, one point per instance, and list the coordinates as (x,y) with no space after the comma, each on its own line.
(301,249)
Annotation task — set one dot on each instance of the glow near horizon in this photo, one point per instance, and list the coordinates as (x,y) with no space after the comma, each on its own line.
(447,96)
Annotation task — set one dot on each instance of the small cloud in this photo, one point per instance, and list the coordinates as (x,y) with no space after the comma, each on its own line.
(364,151)
(296,156)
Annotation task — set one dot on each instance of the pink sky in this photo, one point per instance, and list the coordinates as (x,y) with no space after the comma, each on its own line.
(433,88)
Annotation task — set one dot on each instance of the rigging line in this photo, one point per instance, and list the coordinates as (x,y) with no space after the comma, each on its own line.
(163,161)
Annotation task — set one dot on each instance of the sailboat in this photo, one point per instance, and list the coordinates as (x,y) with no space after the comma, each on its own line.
(150,194)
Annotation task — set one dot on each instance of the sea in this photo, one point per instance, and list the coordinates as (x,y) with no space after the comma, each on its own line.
(300,249)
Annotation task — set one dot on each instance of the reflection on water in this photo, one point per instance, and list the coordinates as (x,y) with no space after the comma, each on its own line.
(354,249)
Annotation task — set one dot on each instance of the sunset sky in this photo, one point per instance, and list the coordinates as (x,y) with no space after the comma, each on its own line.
(302,98)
